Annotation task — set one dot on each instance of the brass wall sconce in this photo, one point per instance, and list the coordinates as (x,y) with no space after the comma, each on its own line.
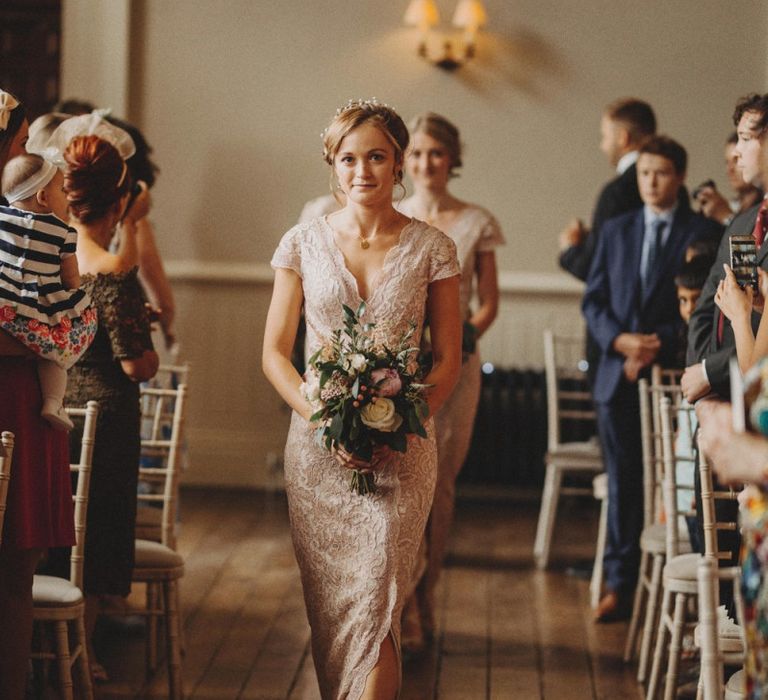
(469,15)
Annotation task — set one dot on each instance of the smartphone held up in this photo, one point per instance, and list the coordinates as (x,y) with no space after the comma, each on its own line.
(744,260)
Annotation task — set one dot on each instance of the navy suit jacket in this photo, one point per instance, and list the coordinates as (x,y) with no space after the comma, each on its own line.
(612,302)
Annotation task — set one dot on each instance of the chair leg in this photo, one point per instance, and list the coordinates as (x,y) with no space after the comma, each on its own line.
(170,594)
(661,641)
(675,646)
(83,664)
(630,646)
(182,636)
(549,498)
(62,655)
(596,583)
(151,641)
(651,617)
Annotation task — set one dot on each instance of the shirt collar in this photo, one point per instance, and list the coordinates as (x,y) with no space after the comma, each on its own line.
(626,161)
(665,216)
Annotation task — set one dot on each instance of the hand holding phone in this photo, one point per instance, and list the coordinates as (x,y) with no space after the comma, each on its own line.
(744,260)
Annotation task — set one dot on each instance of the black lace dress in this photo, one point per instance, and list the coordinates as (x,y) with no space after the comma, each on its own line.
(123,334)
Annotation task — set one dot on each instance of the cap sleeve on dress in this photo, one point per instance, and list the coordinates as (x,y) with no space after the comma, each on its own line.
(490,236)
(70,243)
(288,253)
(123,315)
(443,262)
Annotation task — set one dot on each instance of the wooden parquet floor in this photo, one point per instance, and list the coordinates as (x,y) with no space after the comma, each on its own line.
(506,631)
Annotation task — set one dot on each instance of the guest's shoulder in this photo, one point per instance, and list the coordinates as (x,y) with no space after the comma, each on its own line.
(618,225)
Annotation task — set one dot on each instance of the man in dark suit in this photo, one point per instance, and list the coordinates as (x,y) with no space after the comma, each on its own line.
(630,306)
(711,342)
(624,125)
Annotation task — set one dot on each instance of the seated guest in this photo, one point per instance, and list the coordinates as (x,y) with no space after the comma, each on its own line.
(631,311)
(717,207)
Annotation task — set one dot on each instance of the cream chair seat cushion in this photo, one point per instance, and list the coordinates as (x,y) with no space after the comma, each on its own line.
(52,591)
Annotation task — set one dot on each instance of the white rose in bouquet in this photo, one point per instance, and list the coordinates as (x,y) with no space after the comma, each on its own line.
(381,415)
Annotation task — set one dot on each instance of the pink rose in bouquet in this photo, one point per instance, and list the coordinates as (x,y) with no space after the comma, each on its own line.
(387,381)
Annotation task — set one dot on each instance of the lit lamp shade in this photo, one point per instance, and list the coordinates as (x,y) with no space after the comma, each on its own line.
(422,14)
(470,15)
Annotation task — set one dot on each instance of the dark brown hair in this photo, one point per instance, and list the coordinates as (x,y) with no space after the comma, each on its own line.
(667,148)
(635,116)
(752,103)
(96,178)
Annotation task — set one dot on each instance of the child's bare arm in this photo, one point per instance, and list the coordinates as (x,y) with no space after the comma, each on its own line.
(70,273)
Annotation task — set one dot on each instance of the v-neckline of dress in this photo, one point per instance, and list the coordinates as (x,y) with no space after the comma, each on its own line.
(343,263)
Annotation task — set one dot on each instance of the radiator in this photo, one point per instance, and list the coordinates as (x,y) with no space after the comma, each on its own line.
(510,435)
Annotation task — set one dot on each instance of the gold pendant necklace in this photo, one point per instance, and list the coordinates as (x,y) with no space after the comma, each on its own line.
(364,244)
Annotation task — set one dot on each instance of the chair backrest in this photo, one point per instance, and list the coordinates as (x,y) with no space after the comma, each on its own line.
(83,469)
(709,576)
(673,417)
(650,396)
(169,376)
(709,512)
(6,454)
(568,394)
(161,448)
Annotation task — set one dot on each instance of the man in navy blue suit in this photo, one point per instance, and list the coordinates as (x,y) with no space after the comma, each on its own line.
(630,306)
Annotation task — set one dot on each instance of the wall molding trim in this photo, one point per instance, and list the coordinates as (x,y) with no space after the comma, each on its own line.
(260,274)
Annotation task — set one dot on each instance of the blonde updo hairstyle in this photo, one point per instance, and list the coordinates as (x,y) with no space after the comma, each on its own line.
(442,130)
(360,112)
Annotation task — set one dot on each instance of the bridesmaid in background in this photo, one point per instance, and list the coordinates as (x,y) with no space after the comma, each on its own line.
(431,163)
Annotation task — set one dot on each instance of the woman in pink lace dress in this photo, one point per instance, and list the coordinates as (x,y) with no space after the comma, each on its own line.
(431,162)
(357,553)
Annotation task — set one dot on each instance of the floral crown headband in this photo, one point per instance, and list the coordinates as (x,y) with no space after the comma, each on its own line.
(7,104)
(353,104)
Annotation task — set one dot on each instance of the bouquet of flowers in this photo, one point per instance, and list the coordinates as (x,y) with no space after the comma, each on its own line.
(365,393)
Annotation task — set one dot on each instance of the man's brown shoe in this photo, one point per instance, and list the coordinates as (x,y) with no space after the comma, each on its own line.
(611,608)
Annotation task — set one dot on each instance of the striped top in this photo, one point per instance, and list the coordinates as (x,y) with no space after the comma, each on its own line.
(32,247)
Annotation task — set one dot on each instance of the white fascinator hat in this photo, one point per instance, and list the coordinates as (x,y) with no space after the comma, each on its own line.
(94,124)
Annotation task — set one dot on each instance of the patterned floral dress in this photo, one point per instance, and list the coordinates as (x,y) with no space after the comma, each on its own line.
(124,333)
(357,553)
(754,588)
(55,323)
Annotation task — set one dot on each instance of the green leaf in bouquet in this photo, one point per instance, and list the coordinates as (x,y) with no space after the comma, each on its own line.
(317,415)
(336,428)
(360,310)
(422,409)
(364,451)
(356,387)
(413,420)
(325,375)
(398,441)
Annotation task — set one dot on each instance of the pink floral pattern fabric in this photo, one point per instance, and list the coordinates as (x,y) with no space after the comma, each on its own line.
(63,342)
(357,554)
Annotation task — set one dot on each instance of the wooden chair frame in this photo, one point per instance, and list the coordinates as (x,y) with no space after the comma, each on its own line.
(47,609)
(561,458)
(6,456)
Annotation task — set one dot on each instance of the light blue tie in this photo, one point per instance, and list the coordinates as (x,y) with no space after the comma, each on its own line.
(654,253)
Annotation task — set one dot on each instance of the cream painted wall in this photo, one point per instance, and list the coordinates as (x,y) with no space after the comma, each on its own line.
(233,95)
